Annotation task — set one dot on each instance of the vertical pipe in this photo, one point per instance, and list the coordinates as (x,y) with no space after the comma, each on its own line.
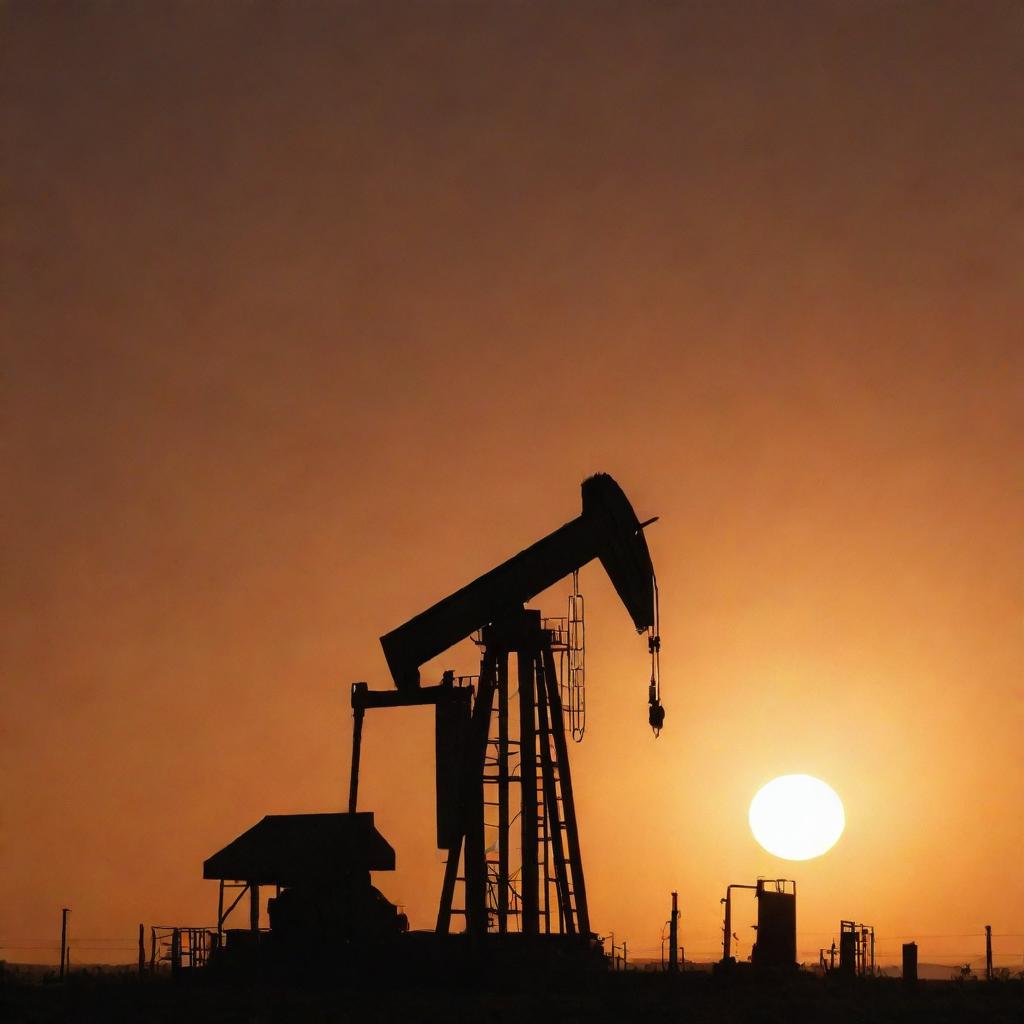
(357,742)
(673,935)
(988,952)
(220,912)
(503,779)
(142,950)
(727,936)
(152,949)
(63,940)
(528,777)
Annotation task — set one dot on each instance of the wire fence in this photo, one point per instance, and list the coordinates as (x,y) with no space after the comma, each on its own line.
(888,949)
(704,949)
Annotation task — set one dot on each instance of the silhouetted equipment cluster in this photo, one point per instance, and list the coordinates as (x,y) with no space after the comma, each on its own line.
(856,948)
(501,765)
(501,762)
(319,867)
(775,946)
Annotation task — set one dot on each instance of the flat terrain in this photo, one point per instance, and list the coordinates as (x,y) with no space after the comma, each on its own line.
(619,997)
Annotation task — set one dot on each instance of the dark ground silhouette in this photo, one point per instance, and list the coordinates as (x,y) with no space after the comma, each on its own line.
(633,996)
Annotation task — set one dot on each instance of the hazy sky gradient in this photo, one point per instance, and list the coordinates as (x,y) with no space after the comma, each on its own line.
(314,312)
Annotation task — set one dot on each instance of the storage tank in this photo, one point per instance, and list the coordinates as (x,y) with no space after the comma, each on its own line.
(776,925)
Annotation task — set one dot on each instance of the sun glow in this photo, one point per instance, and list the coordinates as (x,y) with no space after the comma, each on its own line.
(797,817)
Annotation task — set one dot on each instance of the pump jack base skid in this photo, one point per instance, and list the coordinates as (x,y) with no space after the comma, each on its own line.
(418,959)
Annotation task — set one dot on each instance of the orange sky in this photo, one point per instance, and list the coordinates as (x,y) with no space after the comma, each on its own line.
(312,314)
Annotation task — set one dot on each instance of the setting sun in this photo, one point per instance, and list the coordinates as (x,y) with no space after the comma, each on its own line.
(797,817)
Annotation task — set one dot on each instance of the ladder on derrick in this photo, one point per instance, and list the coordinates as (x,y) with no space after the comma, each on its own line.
(559,837)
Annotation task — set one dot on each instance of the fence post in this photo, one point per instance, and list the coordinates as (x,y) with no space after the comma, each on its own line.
(673,935)
(64,940)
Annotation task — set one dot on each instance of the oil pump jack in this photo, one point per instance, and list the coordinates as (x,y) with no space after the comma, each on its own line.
(512,761)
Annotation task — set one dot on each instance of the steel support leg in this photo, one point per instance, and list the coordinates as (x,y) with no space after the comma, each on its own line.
(451,873)
(579,888)
(473,806)
(528,775)
(503,779)
(553,815)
